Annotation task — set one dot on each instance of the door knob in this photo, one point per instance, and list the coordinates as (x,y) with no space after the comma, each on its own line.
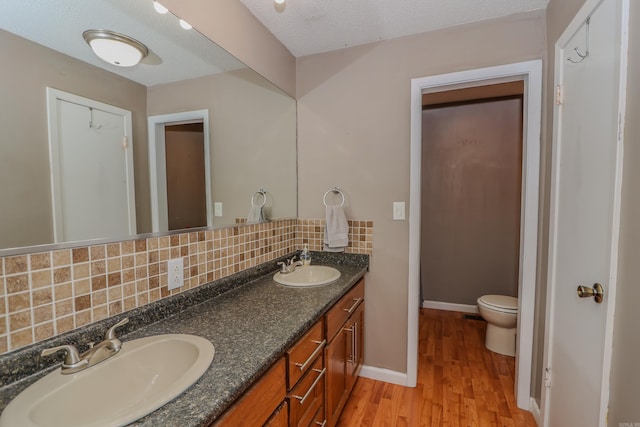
(597,292)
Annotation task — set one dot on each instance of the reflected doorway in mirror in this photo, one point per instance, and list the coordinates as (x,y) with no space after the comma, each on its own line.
(168,176)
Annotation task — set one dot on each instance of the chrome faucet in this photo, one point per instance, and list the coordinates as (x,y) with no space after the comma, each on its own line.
(290,265)
(74,362)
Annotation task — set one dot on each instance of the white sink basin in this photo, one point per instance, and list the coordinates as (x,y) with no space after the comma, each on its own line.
(143,376)
(308,275)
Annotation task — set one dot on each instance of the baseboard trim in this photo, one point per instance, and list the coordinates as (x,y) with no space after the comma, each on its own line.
(386,375)
(535,410)
(448,306)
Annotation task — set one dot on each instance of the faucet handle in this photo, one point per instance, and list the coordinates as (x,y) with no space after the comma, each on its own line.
(71,358)
(283,266)
(111,332)
(293,258)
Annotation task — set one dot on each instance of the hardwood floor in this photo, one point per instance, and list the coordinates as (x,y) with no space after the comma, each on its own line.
(460,383)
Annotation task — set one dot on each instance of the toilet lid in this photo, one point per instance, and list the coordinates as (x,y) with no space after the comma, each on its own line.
(500,301)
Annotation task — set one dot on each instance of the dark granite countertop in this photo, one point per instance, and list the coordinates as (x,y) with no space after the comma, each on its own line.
(250,326)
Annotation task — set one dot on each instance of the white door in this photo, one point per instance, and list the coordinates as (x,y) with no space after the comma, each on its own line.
(587,161)
(92,171)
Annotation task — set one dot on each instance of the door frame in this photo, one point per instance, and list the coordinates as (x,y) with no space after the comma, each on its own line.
(576,23)
(157,164)
(530,72)
(53,96)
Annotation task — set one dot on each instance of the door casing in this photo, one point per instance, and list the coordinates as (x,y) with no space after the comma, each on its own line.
(530,72)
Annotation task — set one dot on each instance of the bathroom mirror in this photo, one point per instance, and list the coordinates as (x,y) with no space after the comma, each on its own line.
(185,81)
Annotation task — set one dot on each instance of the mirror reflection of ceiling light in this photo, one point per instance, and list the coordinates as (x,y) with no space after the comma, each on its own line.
(278,1)
(114,48)
(160,8)
(184,24)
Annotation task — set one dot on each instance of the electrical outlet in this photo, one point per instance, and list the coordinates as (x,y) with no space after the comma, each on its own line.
(217,209)
(175,270)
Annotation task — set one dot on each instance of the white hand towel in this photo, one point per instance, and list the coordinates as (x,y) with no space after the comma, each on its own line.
(255,214)
(336,229)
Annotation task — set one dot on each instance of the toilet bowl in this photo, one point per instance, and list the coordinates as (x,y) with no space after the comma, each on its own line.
(501,314)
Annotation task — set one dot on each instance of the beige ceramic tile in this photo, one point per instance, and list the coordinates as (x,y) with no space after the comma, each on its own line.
(62,275)
(82,318)
(43,331)
(21,338)
(82,287)
(97,252)
(20,320)
(18,302)
(43,313)
(40,261)
(61,257)
(64,324)
(16,264)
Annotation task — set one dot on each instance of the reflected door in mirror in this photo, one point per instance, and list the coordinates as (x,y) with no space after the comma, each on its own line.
(92,170)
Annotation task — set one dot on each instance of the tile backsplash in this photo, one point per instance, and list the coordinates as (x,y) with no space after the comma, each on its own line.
(311,231)
(45,294)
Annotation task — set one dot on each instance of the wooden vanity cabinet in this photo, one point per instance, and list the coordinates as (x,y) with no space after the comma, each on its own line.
(344,352)
(310,385)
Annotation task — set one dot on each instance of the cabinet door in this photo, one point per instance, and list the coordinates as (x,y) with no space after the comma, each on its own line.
(337,386)
(256,406)
(355,353)
(280,418)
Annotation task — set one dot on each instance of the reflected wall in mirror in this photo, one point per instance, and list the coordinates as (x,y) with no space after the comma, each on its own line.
(251,123)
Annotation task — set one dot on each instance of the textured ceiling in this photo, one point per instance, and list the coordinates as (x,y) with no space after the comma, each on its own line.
(176,54)
(313,26)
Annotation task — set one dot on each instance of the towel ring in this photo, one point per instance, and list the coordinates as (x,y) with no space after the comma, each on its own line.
(334,190)
(260,192)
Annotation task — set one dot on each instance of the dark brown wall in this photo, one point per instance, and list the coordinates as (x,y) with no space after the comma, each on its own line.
(186,200)
(471,183)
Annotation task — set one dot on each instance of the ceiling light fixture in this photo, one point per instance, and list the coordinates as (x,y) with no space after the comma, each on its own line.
(184,24)
(114,48)
(278,1)
(160,8)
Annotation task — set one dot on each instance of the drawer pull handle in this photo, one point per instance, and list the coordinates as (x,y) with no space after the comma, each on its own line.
(311,358)
(321,424)
(313,386)
(352,330)
(354,306)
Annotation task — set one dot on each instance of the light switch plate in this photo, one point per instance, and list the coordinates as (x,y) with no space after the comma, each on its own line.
(175,270)
(217,209)
(398,211)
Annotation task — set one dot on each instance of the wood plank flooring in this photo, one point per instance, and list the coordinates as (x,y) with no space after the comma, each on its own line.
(460,383)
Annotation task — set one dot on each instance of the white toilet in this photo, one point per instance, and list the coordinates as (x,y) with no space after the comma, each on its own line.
(501,314)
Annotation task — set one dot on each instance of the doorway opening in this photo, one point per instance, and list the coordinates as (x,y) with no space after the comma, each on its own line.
(180,171)
(530,74)
(471,191)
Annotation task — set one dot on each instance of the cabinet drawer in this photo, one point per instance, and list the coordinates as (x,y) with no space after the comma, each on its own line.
(343,309)
(307,396)
(303,353)
(256,405)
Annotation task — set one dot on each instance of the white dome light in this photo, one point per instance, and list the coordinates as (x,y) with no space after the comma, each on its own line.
(184,24)
(114,48)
